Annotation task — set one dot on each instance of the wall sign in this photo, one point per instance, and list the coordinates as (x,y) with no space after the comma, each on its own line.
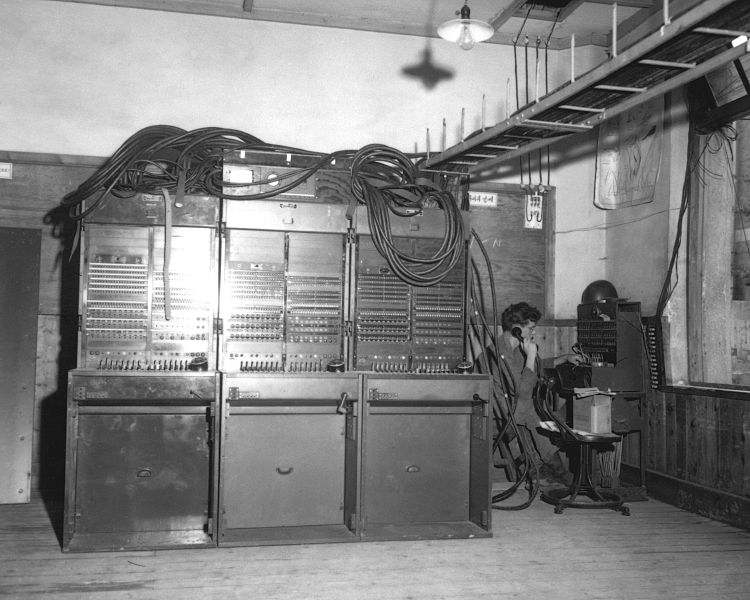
(534,214)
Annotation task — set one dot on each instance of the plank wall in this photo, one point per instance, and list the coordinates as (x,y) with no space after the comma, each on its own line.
(698,455)
(29,200)
(697,442)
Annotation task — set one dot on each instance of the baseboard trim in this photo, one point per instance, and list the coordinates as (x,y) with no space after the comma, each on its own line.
(708,502)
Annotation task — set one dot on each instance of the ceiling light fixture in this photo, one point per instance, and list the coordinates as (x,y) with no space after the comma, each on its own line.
(465,31)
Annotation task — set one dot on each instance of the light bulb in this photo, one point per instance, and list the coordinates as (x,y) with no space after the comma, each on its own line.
(466,40)
(465,31)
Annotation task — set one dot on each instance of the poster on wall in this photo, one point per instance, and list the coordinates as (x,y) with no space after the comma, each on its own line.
(628,156)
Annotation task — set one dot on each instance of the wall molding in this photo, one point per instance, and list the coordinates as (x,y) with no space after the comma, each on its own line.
(720,506)
(55,160)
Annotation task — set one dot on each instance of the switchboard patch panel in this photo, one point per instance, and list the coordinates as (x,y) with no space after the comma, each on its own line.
(611,335)
(183,300)
(284,301)
(115,298)
(400,328)
(273,286)
(137,315)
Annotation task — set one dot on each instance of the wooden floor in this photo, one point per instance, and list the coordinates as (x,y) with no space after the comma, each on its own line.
(658,552)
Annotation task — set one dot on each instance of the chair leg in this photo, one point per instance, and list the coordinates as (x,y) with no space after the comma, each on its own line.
(582,486)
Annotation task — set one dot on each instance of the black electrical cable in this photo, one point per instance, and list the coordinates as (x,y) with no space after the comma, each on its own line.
(504,393)
(154,159)
(165,158)
(692,161)
(385,181)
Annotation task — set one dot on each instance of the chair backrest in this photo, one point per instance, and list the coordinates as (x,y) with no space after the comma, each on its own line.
(544,400)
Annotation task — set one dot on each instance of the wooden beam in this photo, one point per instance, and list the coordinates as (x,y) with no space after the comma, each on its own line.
(506,14)
(648,20)
(569,9)
(628,3)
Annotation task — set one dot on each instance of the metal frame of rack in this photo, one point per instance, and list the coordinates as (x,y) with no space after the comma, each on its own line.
(682,50)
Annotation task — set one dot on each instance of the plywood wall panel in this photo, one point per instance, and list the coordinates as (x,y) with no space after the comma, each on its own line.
(30,200)
(517,255)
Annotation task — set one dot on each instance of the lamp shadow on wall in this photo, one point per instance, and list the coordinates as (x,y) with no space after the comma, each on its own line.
(426,71)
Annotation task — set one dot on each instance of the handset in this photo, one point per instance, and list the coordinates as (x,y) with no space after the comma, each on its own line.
(516,333)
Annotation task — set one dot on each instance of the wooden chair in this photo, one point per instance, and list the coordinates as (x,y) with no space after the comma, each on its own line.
(580,446)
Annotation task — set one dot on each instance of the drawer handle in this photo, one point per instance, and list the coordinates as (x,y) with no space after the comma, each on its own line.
(284,470)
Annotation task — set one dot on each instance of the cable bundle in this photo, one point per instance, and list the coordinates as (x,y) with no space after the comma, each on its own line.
(162,158)
(386,181)
(504,394)
(156,158)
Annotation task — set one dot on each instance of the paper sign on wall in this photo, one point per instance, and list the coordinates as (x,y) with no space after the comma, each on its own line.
(534,216)
(483,199)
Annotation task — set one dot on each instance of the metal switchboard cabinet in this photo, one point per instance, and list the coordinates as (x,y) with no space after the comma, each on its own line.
(289,459)
(403,328)
(140,465)
(283,287)
(425,457)
(149,285)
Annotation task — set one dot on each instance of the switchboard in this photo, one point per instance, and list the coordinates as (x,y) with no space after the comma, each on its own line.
(149,285)
(253,370)
(611,335)
(400,327)
(283,291)
(137,314)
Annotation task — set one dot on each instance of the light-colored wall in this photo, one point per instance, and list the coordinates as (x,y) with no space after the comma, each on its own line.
(84,78)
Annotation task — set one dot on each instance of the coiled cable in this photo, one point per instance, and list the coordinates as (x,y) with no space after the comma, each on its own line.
(163,157)
(504,396)
(386,182)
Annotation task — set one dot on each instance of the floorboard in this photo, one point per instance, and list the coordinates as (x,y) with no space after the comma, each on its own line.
(659,552)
